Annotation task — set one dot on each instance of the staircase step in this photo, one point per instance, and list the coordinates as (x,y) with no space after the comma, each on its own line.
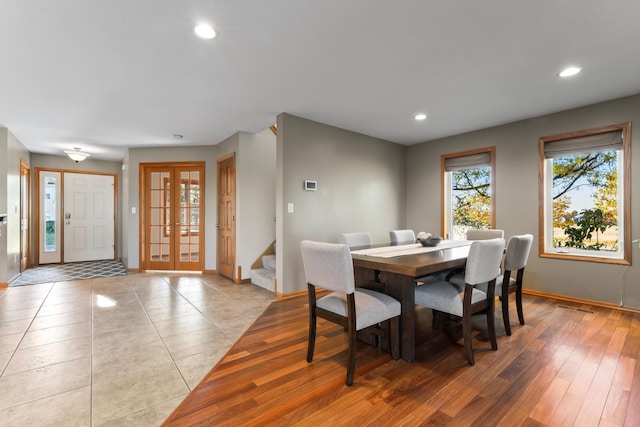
(264,278)
(269,262)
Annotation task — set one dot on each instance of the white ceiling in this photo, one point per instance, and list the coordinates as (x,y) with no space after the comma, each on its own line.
(107,75)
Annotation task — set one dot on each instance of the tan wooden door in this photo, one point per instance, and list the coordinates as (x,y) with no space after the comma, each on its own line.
(226,216)
(158,235)
(189,212)
(25,213)
(174,216)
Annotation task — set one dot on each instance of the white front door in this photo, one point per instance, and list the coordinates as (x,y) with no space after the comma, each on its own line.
(89,217)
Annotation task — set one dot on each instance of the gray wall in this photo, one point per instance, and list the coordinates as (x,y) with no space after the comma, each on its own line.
(361,187)
(255,194)
(517,196)
(11,152)
(256,197)
(124,225)
(4,229)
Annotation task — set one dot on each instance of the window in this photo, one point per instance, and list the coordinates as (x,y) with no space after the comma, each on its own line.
(584,194)
(50,214)
(468,192)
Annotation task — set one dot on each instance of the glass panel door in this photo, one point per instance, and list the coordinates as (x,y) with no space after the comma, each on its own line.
(158,218)
(173,235)
(188,255)
(49,217)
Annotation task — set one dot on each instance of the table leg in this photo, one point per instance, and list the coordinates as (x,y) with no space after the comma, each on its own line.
(402,288)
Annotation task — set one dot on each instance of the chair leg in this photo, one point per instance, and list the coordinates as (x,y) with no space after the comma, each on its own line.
(436,319)
(491,316)
(505,315)
(312,335)
(466,332)
(394,336)
(519,306)
(491,326)
(351,362)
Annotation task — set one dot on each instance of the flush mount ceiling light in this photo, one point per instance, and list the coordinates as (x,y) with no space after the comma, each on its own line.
(76,155)
(570,71)
(420,116)
(205,31)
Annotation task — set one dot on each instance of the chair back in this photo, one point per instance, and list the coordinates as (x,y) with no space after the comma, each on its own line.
(484,234)
(518,250)
(356,239)
(328,265)
(483,262)
(398,237)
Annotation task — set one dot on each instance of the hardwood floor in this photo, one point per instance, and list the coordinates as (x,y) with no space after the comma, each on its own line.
(569,365)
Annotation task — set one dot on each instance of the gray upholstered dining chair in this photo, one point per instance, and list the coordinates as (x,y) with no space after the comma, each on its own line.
(402,237)
(330,266)
(484,234)
(354,240)
(515,260)
(474,234)
(405,237)
(483,266)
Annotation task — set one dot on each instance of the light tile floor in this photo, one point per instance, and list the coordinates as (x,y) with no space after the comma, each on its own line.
(115,351)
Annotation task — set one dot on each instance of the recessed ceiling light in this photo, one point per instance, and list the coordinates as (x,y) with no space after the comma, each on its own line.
(570,71)
(420,116)
(205,31)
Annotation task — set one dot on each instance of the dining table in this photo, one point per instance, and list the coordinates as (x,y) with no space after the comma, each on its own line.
(397,269)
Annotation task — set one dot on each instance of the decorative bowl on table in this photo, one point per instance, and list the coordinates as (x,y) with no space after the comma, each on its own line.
(430,241)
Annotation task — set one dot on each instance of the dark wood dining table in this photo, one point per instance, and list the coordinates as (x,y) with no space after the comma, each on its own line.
(396,276)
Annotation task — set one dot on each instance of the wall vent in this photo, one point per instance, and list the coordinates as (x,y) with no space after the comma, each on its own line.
(583,310)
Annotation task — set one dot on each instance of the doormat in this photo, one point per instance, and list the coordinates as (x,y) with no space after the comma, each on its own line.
(70,271)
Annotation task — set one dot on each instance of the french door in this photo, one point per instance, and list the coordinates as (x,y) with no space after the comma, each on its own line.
(173,216)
